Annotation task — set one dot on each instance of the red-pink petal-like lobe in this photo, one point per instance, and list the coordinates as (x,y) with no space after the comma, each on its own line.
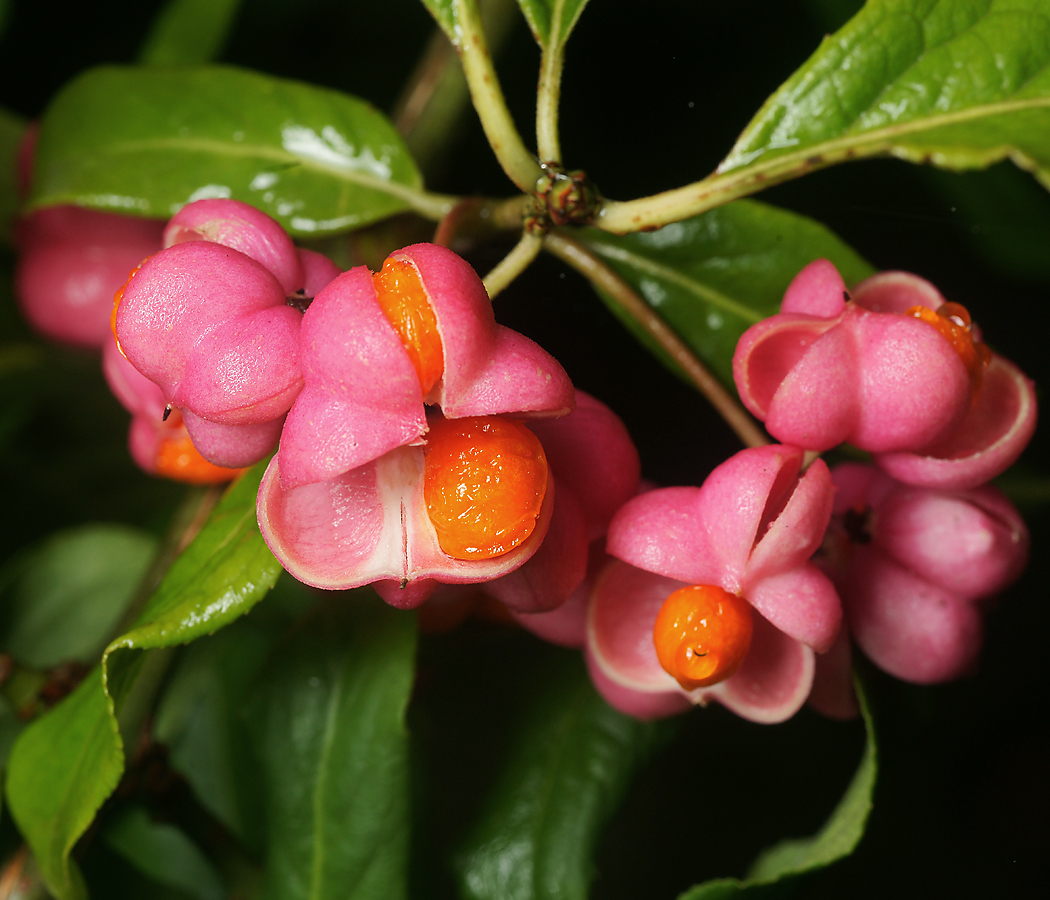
(641,704)
(318,271)
(489,369)
(136,393)
(244,228)
(858,486)
(818,290)
(971,543)
(143,442)
(661,531)
(408,596)
(770,686)
(896,292)
(913,387)
(210,326)
(232,446)
(802,603)
(796,517)
(817,402)
(750,530)
(774,680)
(869,374)
(768,351)
(547,580)
(361,396)
(622,612)
(370,524)
(741,499)
(591,451)
(833,694)
(907,626)
(71,262)
(564,625)
(988,441)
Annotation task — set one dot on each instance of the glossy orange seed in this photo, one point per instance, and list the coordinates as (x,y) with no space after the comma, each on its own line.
(484,482)
(702,635)
(405,303)
(179,460)
(953,321)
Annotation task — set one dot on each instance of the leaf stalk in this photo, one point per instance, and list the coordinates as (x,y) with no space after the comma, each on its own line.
(487,96)
(513,264)
(591,266)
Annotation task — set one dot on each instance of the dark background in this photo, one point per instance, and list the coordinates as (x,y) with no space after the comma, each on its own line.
(652,100)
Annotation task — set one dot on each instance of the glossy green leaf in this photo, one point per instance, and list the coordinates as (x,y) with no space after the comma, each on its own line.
(62,768)
(70,593)
(164,854)
(446,15)
(957,84)
(188,32)
(712,276)
(330,734)
(551,21)
(148,141)
(199,719)
(12,128)
(66,763)
(836,840)
(571,765)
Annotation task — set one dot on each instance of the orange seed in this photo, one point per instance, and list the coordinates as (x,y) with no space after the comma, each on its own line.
(179,460)
(953,321)
(702,635)
(484,482)
(405,303)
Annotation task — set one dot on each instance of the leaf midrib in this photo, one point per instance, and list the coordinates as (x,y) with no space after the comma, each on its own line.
(879,138)
(265,152)
(572,716)
(331,720)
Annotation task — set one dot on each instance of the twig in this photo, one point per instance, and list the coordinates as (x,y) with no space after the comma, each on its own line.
(604,278)
(520,165)
(513,264)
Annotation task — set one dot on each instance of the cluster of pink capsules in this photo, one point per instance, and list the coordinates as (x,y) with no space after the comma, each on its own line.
(422,447)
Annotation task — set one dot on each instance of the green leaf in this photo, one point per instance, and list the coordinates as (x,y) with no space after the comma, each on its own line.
(552,21)
(957,84)
(65,764)
(10,727)
(572,763)
(12,129)
(147,141)
(329,729)
(164,854)
(72,591)
(188,32)
(446,15)
(712,276)
(836,840)
(199,719)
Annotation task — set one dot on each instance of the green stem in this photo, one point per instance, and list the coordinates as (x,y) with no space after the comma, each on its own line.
(487,95)
(430,206)
(548,96)
(513,264)
(436,96)
(744,178)
(608,282)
